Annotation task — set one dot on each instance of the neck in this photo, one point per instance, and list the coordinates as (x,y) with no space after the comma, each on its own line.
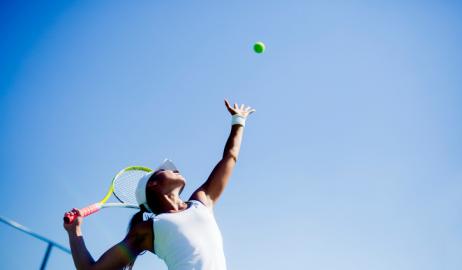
(173,203)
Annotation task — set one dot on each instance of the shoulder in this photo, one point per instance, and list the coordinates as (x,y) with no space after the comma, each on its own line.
(141,236)
(200,196)
(199,203)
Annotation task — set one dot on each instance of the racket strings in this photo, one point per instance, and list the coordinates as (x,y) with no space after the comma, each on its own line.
(125,185)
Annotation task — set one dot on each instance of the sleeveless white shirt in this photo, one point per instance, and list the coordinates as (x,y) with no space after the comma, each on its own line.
(190,239)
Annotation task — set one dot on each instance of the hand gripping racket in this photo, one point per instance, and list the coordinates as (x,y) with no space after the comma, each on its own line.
(123,187)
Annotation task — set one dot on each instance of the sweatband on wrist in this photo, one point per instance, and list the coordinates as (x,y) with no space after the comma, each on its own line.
(236,119)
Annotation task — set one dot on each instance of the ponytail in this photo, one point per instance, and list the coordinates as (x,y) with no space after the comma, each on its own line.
(135,220)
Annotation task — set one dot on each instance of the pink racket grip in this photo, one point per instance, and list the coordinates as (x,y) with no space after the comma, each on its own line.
(69,218)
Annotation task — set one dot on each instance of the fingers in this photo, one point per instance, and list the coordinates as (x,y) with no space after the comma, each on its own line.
(247,109)
(227,104)
(239,109)
(72,219)
(230,110)
(249,112)
(73,212)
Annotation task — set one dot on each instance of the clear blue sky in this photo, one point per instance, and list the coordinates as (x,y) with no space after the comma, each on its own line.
(352,160)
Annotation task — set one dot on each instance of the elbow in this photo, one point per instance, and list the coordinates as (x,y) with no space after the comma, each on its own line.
(90,266)
(230,156)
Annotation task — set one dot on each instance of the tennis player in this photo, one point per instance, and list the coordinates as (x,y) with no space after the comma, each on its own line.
(184,234)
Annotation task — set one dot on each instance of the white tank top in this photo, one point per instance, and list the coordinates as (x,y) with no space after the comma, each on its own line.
(190,239)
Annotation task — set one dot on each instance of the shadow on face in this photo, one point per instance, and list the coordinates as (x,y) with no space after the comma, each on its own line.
(165,181)
(161,183)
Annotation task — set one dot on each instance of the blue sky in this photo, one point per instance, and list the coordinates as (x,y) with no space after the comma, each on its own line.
(352,160)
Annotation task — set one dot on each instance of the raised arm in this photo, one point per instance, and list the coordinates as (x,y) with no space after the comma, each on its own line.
(210,191)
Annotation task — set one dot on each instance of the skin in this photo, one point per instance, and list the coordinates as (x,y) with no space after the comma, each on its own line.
(167,187)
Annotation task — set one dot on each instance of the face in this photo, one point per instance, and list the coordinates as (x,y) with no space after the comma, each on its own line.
(166,180)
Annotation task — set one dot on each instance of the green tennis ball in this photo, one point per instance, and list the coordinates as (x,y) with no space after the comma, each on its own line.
(259,47)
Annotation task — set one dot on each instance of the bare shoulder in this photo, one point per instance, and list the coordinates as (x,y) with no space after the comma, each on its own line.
(201,196)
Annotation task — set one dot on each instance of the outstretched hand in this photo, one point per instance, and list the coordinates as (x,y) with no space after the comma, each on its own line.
(242,111)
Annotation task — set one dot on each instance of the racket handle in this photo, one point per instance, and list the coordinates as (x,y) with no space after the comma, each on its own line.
(69,218)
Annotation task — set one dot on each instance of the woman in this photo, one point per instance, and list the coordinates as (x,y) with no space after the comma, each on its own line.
(183,234)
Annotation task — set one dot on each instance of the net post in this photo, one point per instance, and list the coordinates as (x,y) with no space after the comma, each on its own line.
(47,254)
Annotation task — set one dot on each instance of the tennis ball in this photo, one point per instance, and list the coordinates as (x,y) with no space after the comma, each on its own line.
(259,47)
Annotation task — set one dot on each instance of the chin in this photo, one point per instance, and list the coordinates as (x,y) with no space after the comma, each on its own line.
(183,185)
(183,180)
(178,180)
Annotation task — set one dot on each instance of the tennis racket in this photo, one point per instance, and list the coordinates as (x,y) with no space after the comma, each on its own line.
(123,186)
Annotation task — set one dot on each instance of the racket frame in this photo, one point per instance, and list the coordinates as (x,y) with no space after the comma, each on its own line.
(91,209)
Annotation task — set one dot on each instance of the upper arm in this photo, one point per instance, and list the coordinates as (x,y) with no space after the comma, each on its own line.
(211,190)
(117,257)
(139,239)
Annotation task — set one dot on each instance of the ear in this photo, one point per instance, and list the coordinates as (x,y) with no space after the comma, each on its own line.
(152,184)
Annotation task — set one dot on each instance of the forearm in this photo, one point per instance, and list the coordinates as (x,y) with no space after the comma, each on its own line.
(211,190)
(233,144)
(82,258)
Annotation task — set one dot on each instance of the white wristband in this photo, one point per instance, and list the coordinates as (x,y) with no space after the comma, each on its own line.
(236,119)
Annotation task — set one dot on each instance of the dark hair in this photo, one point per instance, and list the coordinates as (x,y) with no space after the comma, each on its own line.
(153,203)
(152,200)
(135,220)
